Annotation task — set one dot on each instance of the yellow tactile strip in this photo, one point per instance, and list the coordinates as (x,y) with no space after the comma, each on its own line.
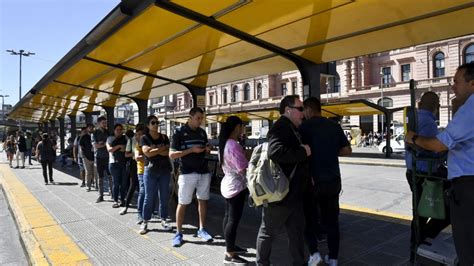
(375,214)
(45,240)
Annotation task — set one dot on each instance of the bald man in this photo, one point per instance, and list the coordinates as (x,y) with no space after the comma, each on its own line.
(427,127)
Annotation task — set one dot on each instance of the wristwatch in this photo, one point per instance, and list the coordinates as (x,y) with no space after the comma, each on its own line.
(413,139)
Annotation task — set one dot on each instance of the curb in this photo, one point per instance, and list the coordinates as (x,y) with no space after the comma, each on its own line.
(45,241)
(375,214)
(387,164)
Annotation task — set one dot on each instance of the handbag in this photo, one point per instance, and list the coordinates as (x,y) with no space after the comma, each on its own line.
(431,204)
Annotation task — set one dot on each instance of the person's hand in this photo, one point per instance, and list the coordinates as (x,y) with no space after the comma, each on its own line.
(197,149)
(208,148)
(307,149)
(409,136)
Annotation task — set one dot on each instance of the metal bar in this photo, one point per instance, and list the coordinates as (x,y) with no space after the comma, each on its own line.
(91,89)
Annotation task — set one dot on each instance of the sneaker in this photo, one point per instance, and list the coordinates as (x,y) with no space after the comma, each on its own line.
(22,167)
(177,240)
(330,262)
(83,185)
(99,199)
(239,250)
(204,235)
(88,189)
(156,216)
(315,259)
(143,228)
(123,211)
(235,260)
(45,183)
(166,226)
(51,180)
(139,221)
(16,167)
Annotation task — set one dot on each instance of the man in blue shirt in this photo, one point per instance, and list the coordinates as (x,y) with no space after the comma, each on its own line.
(458,140)
(426,127)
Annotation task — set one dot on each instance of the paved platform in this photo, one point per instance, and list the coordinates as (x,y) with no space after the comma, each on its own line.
(104,237)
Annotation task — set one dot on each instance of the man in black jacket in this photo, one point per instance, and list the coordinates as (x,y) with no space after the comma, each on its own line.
(286,149)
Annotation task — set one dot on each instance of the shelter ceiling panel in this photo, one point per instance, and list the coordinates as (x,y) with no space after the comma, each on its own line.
(71,102)
(224,57)
(332,21)
(168,89)
(418,32)
(83,71)
(132,84)
(153,27)
(263,67)
(345,109)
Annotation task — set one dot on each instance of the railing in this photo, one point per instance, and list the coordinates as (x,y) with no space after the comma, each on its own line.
(423,83)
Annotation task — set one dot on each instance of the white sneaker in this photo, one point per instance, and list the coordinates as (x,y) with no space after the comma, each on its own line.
(330,262)
(315,259)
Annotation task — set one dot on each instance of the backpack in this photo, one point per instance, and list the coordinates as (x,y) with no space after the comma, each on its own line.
(265,180)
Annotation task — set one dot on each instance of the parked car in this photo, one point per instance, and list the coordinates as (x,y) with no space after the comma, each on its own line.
(397,144)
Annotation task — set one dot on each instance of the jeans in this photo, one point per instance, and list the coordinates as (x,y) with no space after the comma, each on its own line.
(102,165)
(275,219)
(233,212)
(28,154)
(141,196)
(157,183)
(132,172)
(118,172)
(326,198)
(49,166)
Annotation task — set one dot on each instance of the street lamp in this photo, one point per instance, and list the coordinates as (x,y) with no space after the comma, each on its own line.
(21,53)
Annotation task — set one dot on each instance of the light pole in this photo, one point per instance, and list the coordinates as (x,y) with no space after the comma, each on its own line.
(21,53)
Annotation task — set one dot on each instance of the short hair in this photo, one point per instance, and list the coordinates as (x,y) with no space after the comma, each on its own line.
(287,101)
(89,125)
(101,118)
(429,101)
(149,118)
(140,127)
(469,73)
(312,103)
(118,125)
(83,128)
(195,110)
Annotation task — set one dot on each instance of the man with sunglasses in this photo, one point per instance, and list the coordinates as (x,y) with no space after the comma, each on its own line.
(190,146)
(285,149)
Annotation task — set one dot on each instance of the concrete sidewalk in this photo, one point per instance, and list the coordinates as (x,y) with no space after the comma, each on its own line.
(105,237)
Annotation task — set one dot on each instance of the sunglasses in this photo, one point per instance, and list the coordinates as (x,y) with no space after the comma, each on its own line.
(299,108)
(154,123)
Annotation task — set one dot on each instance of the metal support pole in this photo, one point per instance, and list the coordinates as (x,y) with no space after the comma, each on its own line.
(73,126)
(388,135)
(311,75)
(142,109)
(88,117)
(62,134)
(199,96)
(110,118)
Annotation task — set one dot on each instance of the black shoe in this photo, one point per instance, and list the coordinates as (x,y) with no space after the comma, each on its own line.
(16,167)
(83,184)
(45,183)
(99,199)
(51,181)
(22,167)
(235,260)
(239,250)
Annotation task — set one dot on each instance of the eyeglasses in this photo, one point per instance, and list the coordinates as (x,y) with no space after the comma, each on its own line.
(299,108)
(154,123)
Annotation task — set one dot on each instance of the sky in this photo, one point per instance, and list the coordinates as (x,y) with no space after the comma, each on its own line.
(48,28)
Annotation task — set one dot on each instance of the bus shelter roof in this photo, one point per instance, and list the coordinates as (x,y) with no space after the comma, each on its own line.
(146,49)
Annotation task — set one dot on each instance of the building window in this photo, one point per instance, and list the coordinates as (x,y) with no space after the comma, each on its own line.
(294,86)
(258,92)
(224,96)
(438,65)
(235,94)
(386,75)
(284,89)
(211,99)
(246,92)
(406,72)
(469,54)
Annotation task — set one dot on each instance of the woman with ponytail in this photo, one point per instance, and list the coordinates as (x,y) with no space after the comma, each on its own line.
(234,184)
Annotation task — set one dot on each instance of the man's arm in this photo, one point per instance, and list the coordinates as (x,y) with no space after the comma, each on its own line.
(280,152)
(345,151)
(431,144)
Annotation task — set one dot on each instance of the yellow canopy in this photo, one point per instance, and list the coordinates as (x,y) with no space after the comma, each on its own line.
(141,50)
